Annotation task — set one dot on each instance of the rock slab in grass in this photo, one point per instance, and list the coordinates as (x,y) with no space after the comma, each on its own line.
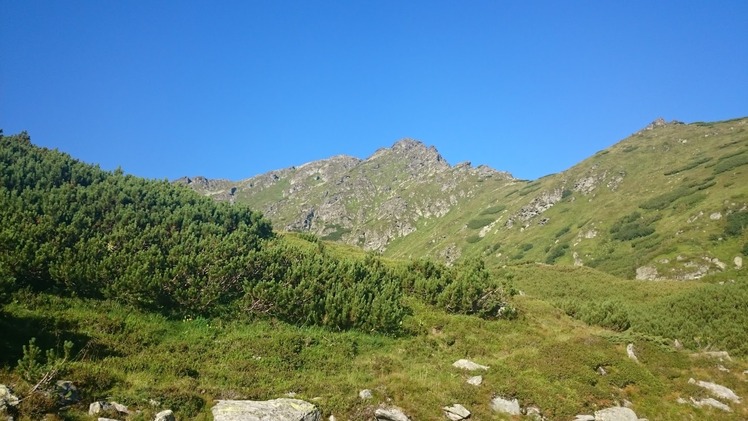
(283,409)
(616,413)
(506,406)
(468,365)
(456,412)
(365,394)
(390,413)
(717,390)
(710,402)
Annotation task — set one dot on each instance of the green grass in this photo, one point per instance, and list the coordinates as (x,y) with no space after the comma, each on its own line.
(544,358)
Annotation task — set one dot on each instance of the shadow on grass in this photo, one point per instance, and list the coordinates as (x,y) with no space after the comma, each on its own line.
(50,333)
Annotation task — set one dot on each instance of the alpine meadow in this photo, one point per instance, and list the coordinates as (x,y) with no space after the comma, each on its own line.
(392,287)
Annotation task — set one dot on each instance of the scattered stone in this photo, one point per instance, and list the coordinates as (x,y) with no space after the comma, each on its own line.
(456,412)
(67,392)
(167,415)
(616,413)
(506,406)
(738,262)
(584,418)
(716,216)
(681,401)
(106,419)
(717,390)
(391,413)
(677,345)
(332,418)
(601,371)
(283,409)
(475,380)
(290,394)
(710,402)
(631,353)
(365,394)
(102,406)
(468,365)
(720,367)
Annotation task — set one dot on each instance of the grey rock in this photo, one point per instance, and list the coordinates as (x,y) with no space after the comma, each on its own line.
(101,406)
(283,409)
(738,262)
(365,394)
(106,419)
(710,402)
(475,380)
(630,352)
(584,418)
(616,413)
(67,392)
(7,400)
(678,345)
(506,406)
(601,371)
(720,355)
(167,415)
(456,412)
(717,390)
(534,413)
(468,365)
(390,413)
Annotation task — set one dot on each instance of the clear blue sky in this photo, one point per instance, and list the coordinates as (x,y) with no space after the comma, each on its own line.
(232,89)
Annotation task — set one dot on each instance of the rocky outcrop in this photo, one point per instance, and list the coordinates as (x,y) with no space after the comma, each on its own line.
(367,203)
(283,409)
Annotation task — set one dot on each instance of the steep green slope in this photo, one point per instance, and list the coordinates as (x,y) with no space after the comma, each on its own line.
(670,201)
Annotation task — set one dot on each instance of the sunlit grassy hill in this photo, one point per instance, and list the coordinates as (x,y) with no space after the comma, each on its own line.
(668,202)
(150,295)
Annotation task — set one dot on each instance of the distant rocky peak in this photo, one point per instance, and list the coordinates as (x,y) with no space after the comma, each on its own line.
(413,151)
(659,122)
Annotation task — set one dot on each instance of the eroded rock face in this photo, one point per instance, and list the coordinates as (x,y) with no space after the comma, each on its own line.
(283,409)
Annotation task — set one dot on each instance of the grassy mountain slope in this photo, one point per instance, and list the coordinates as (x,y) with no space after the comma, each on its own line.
(669,202)
(150,295)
